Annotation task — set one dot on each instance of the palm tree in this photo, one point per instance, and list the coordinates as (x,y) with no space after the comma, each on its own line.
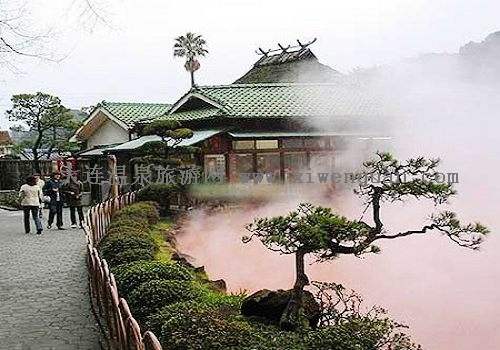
(190,46)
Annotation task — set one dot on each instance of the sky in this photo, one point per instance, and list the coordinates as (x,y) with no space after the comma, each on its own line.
(129,59)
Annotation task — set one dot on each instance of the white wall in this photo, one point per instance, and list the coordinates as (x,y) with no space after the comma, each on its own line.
(108,133)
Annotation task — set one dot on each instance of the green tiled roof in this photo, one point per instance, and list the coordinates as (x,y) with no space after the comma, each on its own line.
(282,100)
(195,114)
(293,100)
(130,113)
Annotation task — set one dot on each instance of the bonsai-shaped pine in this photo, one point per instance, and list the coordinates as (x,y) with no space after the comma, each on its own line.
(160,152)
(190,46)
(319,231)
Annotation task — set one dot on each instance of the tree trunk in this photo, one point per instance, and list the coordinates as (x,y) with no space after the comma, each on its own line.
(192,78)
(36,161)
(291,318)
(36,146)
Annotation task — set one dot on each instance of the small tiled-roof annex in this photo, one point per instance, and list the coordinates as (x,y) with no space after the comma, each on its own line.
(5,139)
(131,113)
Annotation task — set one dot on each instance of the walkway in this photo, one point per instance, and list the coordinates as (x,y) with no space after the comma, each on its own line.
(44,301)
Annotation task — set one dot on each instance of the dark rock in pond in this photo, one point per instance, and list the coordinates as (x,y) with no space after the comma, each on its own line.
(271,304)
(182,259)
(200,269)
(218,286)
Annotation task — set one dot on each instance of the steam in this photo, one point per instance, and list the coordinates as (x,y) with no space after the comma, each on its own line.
(445,106)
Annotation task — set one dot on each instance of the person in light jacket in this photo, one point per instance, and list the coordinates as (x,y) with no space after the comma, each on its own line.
(30,195)
(39,181)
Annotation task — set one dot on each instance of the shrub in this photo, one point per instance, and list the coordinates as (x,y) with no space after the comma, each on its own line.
(11,199)
(131,255)
(141,210)
(158,192)
(127,231)
(139,223)
(361,333)
(196,326)
(115,244)
(151,296)
(130,276)
(155,321)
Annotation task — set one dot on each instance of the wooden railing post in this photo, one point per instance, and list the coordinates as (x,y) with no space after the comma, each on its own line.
(124,331)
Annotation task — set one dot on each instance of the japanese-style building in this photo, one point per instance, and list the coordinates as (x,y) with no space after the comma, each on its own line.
(278,128)
(272,119)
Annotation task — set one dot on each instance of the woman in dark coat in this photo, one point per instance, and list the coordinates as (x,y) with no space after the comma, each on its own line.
(73,191)
(53,189)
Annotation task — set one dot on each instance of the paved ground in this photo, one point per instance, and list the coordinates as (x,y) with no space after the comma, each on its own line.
(44,302)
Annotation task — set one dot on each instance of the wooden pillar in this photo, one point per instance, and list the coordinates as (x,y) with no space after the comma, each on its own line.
(113,179)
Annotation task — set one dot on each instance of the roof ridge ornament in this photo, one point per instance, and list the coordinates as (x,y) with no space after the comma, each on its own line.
(283,49)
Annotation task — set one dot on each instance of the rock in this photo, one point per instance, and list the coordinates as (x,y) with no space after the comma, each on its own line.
(182,259)
(218,286)
(200,269)
(271,304)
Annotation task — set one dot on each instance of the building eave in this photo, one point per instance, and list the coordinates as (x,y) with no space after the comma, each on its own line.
(94,121)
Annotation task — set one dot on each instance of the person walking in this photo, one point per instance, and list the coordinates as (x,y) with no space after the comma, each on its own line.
(53,189)
(39,181)
(30,195)
(73,191)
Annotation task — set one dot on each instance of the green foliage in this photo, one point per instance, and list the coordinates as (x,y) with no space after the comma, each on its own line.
(160,193)
(361,333)
(197,326)
(138,223)
(167,130)
(131,255)
(318,231)
(311,229)
(48,123)
(397,181)
(470,235)
(191,47)
(166,151)
(225,303)
(127,231)
(129,277)
(140,210)
(11,199)
(114,245)
(151,296)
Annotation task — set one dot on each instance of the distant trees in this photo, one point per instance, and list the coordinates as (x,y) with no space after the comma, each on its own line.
(191,47)
(48,123)
(319,231)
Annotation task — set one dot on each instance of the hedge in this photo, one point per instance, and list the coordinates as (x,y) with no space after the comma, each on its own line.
(127,231)
(116,244)
(140,210)
(129,277)
(160,193)
(195,326)
(139,223)
(131,255)
(151,296)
